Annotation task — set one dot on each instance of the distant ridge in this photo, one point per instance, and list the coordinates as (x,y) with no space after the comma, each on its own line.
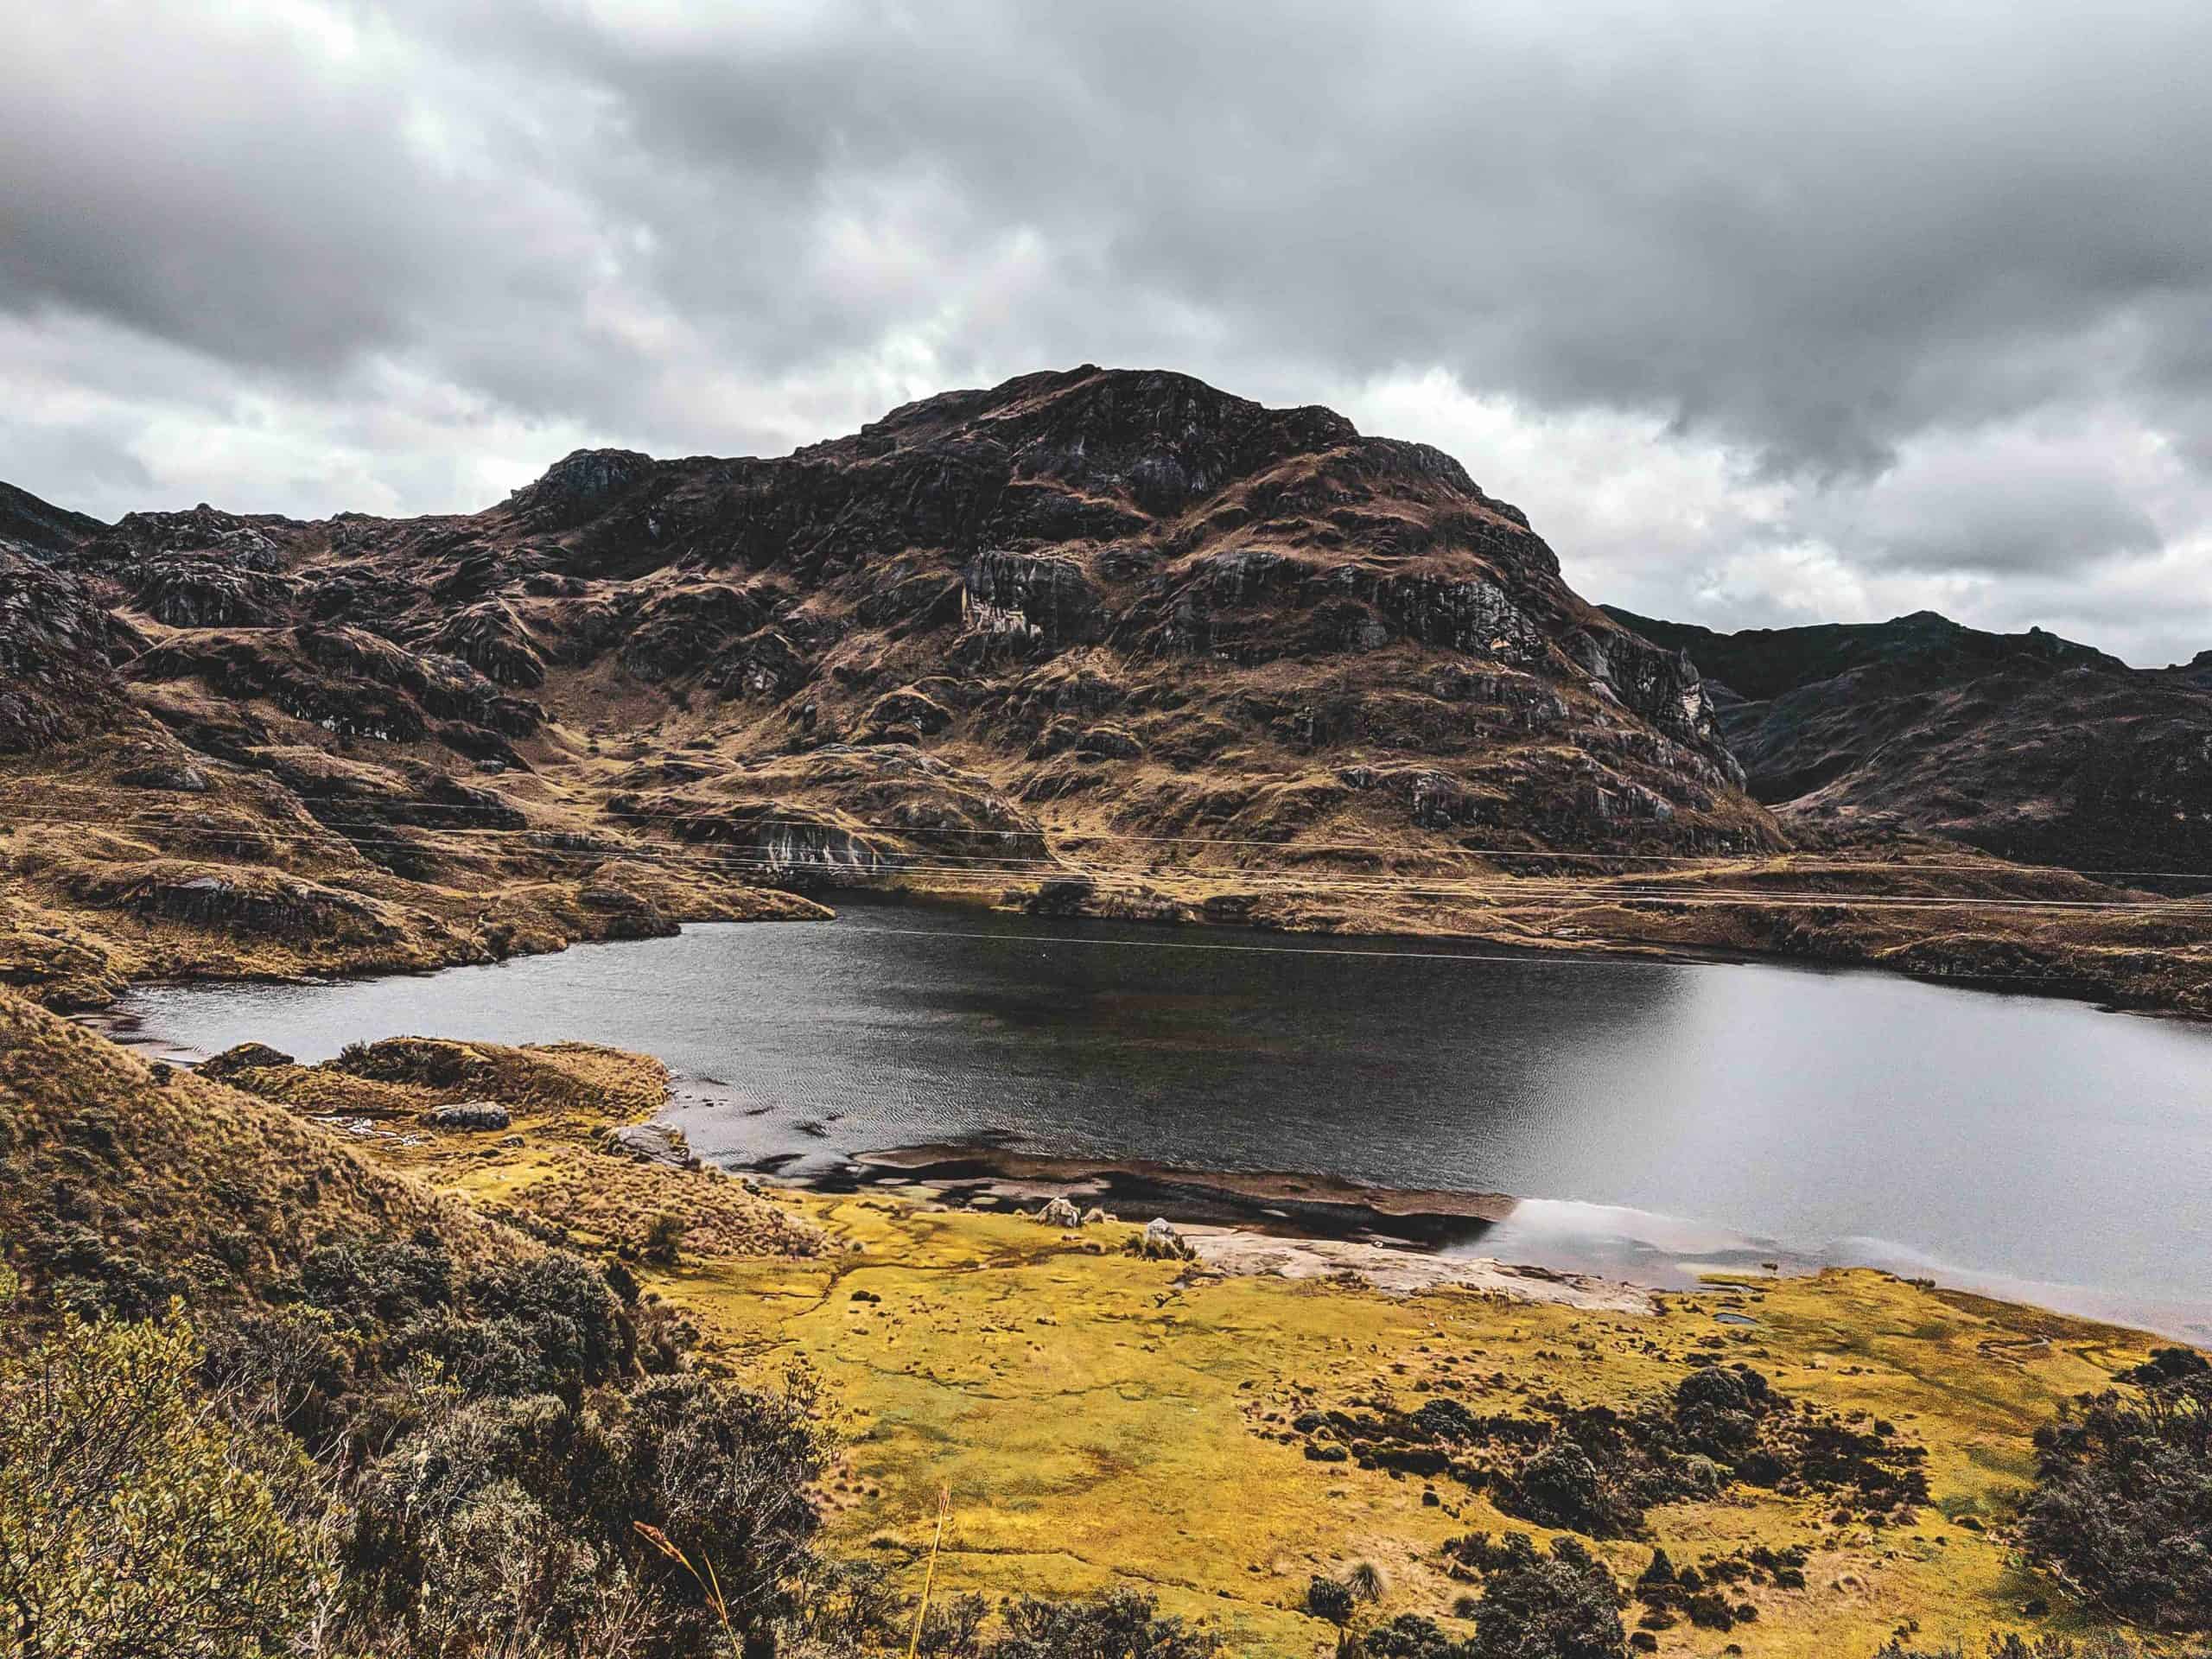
(1762,662)
(38,526)
(2027,745)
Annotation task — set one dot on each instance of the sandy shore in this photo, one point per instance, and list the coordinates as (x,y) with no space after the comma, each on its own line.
(1398,1271)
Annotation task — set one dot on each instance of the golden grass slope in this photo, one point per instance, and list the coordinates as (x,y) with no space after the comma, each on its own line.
(1101,1419)
(548,1172)
(182,1185)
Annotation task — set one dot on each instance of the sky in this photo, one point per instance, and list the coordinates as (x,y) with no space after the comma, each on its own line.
(1764,313)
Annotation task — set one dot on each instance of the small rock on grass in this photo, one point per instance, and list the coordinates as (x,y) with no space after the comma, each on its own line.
(1161,1242)
(649,1143)
(469,1114)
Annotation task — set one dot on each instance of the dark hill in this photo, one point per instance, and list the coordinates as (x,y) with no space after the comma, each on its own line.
(1758,664)
(1119,601)
(2026,745)
(32,526)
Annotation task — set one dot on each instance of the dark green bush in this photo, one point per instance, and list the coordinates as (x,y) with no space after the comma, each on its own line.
(1563,1604)
(1119,1626)
(2123,1498)
(1326,1598)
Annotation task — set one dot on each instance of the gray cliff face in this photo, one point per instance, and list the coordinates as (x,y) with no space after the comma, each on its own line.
(58,647)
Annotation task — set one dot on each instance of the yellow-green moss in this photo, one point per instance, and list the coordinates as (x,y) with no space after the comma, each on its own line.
(1095,1420)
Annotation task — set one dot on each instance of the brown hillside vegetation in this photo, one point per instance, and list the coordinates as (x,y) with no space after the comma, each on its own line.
(125,1185)
(1098,641)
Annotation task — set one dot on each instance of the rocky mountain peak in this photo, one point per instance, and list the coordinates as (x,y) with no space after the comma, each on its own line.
(1124,597)
(580,482)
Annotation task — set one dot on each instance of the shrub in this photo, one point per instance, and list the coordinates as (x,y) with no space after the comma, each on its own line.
(560,1494)
(1122,1625)
(559,1315)
(134,1518)
(723,1471)
(1409,1636)
(2123,1498)
(1560,1606)
(386,1281)
(1326,1598)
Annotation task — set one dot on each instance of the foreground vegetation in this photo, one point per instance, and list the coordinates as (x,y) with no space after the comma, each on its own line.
(272,1387)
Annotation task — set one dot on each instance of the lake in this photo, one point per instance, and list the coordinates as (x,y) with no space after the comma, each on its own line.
(1654,1116)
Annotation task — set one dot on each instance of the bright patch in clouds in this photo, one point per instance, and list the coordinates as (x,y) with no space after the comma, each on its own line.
(1763,314)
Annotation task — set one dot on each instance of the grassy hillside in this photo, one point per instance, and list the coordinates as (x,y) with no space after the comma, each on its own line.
(123,1184)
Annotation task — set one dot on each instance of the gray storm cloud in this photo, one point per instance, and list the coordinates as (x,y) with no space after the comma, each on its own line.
(1929,287)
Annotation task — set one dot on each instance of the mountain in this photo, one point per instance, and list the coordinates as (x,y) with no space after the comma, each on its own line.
(1126,598)
(2026,745)
(30,525)
(1105,641)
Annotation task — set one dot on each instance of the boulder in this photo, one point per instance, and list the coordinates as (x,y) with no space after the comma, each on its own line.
(468,1115)
(176,777)
(649,1143)
(1161,1242)
(1064,895)
(1060,1213)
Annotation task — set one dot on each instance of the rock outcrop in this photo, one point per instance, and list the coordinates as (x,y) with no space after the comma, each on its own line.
(469,1114)
(649,1143)
(59,647)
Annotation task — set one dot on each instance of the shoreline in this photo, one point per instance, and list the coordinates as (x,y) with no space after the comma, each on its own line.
(1570,941)
(1300,1225)
(1311,1209)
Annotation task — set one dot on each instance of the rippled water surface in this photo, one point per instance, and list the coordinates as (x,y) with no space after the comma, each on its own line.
(1852,1116)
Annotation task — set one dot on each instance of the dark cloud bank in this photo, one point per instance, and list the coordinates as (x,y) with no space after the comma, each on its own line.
(1765,313)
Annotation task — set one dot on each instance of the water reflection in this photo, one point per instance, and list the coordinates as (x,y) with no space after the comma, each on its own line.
(1813,1114)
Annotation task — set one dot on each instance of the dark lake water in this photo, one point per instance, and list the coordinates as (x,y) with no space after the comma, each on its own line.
(1655,1114)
